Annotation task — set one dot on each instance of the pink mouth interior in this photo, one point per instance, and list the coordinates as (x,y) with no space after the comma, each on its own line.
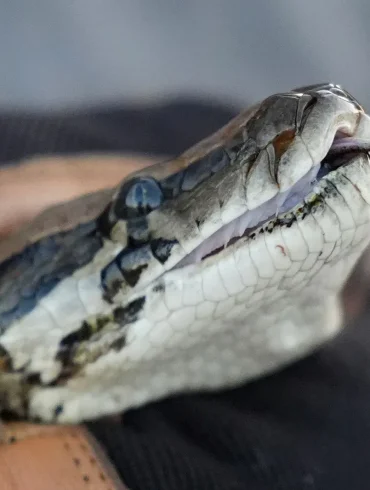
(279,204)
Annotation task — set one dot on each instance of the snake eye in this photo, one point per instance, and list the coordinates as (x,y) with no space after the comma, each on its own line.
(137,198)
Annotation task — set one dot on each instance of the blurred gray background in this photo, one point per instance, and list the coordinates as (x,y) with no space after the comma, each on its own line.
(58,54)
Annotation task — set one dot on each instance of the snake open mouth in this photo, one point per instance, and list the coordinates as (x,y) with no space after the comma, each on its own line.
(340,153)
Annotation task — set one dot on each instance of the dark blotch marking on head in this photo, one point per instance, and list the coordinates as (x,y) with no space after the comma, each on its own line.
(111,279)
(6,364)
(161,248)
(64,356)
(104,224)
(131,262)
(33,379)
(67,344)
(58,410)
(129,313)
(118,344)
(159,288)
(78,336)
(82,334)
(101,322)
(132,276)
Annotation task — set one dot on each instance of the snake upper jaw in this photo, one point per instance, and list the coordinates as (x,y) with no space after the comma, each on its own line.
(266,168)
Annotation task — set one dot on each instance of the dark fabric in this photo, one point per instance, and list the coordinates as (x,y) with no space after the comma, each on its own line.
(162,129)
(307,427)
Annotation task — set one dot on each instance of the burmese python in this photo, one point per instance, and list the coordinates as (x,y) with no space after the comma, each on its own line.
(197,273)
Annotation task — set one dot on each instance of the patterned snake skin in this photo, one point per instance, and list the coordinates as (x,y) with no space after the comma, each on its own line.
(198,273)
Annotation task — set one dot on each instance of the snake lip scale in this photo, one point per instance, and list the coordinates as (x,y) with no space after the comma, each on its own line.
(199,273)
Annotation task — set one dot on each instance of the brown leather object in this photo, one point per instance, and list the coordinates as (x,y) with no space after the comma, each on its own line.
(36,457)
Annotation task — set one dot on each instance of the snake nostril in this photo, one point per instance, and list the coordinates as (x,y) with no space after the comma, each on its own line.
(137,197)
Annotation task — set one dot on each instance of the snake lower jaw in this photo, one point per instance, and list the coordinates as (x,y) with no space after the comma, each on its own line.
(290,339)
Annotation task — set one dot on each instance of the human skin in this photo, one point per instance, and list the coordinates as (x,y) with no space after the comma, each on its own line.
(30,187)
